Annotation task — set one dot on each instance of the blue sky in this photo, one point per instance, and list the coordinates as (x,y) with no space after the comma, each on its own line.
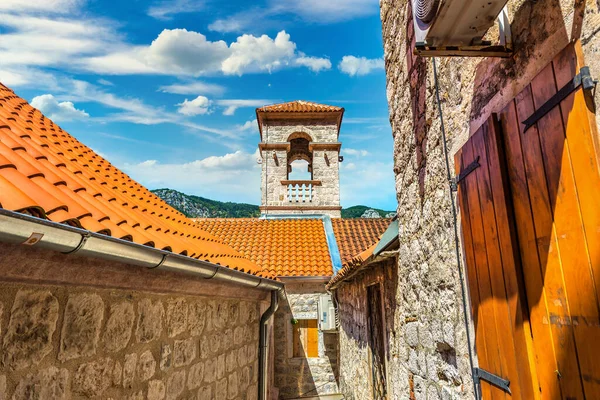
(167,90)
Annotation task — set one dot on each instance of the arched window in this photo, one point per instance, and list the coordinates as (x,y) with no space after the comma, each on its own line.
(299,157)
(299,170)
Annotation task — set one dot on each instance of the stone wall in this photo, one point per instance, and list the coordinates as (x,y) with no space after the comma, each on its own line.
(72,341)
(299,376)
(326,195)
(355,364)
(429,299)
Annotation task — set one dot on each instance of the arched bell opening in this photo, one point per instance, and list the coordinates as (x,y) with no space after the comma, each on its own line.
(299,157)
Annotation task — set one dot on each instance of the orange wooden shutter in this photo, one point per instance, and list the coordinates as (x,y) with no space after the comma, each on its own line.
(312,338)
(555,181)
(492,265)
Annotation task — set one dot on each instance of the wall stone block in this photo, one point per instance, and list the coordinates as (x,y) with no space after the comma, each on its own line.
(146,366)
(129,370)
(93,378)
(221,389)
(29,334)
(205,392)
(196,376)
(232,382)
(117,374)
(119,326)
(184,352)
(177,316)
(175,384)
(156,390)
(51,383)
(197,315)
(166,356)
(150,320)
(81,326)
(210,370)
(221,366)
(3,395)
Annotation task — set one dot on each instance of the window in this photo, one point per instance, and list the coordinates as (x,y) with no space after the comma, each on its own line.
(306,338)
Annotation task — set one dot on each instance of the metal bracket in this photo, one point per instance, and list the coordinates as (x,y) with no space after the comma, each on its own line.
(84,239)
(463,174)
(583,79)
(501,383)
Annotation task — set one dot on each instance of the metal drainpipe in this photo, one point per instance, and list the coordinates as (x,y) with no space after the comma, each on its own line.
(262,345)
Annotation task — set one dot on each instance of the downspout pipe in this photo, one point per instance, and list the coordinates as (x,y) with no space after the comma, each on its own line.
(24,229)
(262,346)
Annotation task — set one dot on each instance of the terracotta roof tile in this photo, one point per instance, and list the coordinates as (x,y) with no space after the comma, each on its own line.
(355,235)
(299,106)
(48,173)
(284,247)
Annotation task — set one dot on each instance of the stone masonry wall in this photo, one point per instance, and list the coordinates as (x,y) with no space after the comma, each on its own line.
(64,342)
(75,328)
(275,194)
(429,300)
(355,364)
(295,376)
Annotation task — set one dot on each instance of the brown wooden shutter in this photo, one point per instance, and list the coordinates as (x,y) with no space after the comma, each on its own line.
(502,337)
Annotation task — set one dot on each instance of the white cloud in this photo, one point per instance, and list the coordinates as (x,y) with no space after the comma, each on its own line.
(328,11)
(104,82)
(231,105)
(359,65)
(181,52)
(252,54)
(167,9)
(63,111)
(356,153)
(312,11)
(194,87)
(316,64)
(198,106)
(233,176)
(248,125)
(52,6)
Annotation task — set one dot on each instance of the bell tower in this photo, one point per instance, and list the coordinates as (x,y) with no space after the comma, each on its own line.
(300,135)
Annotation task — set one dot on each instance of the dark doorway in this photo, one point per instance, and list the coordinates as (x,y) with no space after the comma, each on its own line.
(376,340)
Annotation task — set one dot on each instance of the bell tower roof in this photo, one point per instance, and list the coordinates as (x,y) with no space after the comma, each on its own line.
(298,110)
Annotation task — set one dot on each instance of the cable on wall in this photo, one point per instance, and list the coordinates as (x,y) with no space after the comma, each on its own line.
(455,223)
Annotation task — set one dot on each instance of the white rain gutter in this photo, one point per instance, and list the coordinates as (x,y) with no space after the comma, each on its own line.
(24,229)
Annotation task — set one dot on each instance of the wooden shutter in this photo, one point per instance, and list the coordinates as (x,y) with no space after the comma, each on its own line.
(306,338)
(493,270)
(555,181)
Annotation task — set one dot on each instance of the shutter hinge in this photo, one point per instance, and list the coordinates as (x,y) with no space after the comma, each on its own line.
(583,78)
(463,174)
(481,374)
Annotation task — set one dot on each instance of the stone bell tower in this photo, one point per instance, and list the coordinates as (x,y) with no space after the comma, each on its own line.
(300,130)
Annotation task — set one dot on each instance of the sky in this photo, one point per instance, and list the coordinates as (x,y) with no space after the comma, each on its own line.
(167,90)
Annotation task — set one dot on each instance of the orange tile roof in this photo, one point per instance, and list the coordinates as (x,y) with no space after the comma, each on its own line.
(284,247)
(351,266)
(354,235)
(299,106)
(47,173)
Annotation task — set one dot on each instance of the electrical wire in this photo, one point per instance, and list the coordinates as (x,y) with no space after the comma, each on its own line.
(455,222)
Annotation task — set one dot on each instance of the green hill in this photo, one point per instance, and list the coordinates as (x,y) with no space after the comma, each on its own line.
(199,207)
(359,212)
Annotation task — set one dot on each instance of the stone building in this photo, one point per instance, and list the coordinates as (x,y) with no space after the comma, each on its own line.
(106,291)
(301,240)
(527,232)
(306,131)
